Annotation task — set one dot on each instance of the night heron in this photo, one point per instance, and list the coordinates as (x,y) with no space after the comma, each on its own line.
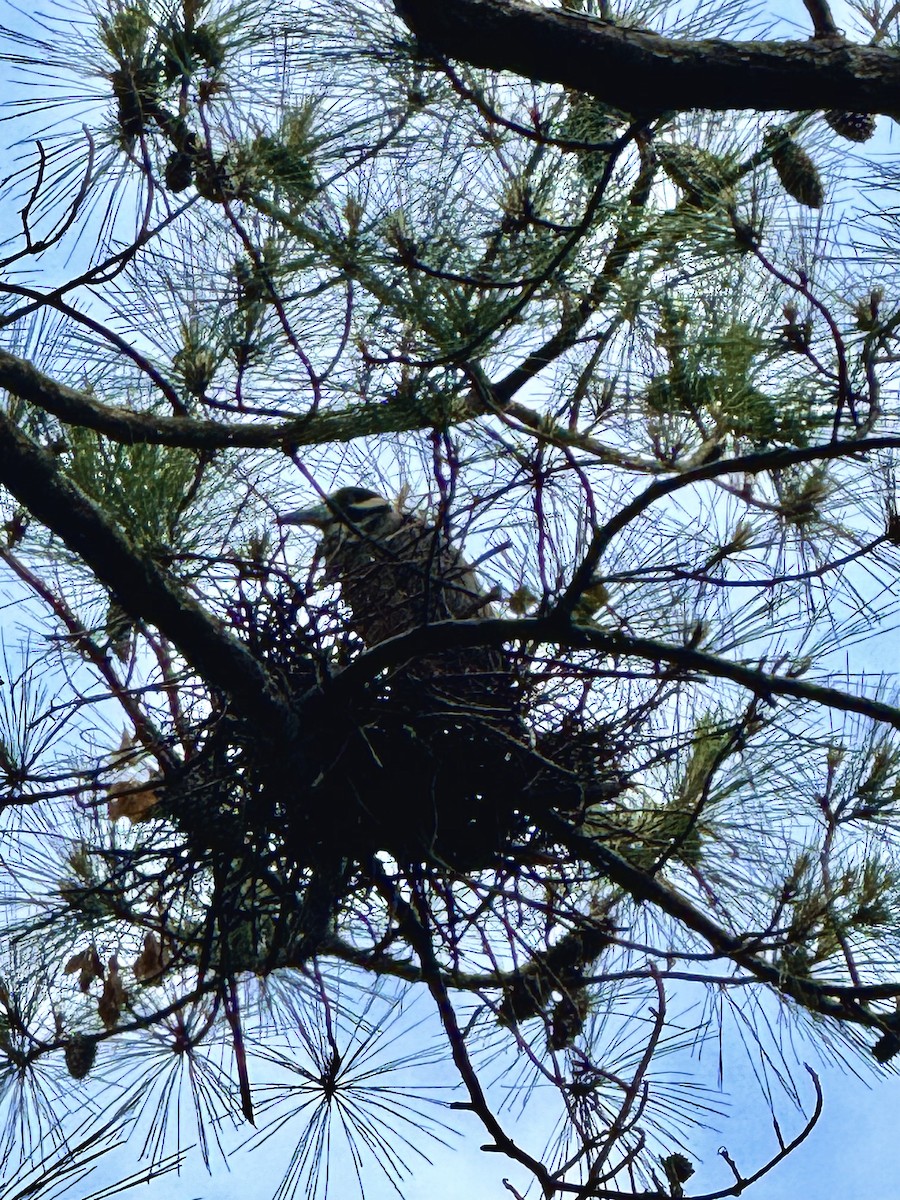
(395,571)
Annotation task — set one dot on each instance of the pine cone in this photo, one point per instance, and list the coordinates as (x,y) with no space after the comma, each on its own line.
(179,172)
(80,1054)
(699,174)
(678,1171)
(567,1019)
(887,1046)
(797,172)
(855,127)
(678,1168)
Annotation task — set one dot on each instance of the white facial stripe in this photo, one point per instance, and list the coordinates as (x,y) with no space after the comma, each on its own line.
(374,502)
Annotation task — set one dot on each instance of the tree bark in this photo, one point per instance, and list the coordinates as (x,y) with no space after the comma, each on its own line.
(645,73)
(31,475)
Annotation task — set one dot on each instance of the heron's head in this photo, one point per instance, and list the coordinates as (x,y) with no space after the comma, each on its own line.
(354,507)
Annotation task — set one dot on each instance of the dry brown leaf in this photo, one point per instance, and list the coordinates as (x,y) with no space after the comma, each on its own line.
(109,1006)
(89,966)
(151,962)
(129,798)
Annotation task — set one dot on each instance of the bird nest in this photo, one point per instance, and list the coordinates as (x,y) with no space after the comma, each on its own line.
(447,760)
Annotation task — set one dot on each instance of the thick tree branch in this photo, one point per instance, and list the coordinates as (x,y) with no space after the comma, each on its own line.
(823,21)
(643,72)
(34,478)
(407,970)
(445,635)
(20,378)
(736,947)
(841,1003)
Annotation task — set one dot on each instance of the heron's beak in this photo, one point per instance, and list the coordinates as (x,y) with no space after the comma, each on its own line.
(319,515)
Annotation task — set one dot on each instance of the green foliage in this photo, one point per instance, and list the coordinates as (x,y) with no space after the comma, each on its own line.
(880,790)
(284,161)
(713,376)
(587,120)
(151,505)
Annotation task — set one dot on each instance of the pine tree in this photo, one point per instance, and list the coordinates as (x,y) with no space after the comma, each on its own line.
(614,353)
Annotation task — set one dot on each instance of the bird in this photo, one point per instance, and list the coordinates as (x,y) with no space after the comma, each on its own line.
(429,747)
(396,572)
(441,747)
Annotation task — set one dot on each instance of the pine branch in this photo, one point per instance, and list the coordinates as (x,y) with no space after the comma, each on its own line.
(34,478)
(446,635)
(20,378)
(643,73)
